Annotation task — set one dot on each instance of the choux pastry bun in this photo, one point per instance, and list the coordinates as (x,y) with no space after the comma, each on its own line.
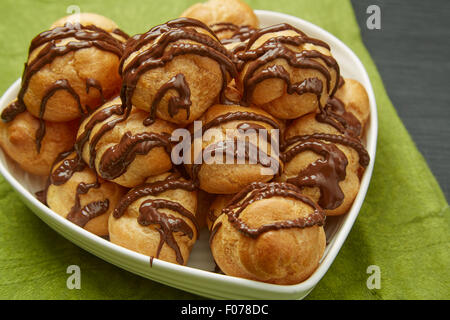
(121,148)
(324,163)
(157,219)
(233,37)
(286,72)
(239,145)
(77,194)
(70,70)
(269,232)
(349,102)
(176,71)
(89,19)
(216,11)
(18,138)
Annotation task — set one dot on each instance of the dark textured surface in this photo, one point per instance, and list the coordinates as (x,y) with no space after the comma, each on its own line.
(412,53)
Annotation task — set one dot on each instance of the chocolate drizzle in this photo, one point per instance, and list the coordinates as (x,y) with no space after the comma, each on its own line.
(117,158)
(240,34)
(11,111)
(164,49)
(239,150)
(150,189)
(258,191)
(240,115)
(150,215)
(61,84)
(325,173)
(334,114)
(277,48)
(82,215)
(93,83)
(121,33)
(168,224)
(183,101)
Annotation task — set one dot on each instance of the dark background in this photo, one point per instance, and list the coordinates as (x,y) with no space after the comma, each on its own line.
(412,53)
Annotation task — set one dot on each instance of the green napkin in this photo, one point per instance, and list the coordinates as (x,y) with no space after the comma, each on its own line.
(403,226)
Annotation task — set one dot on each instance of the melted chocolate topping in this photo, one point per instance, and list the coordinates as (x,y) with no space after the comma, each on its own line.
(61,84)
(334,114)
(240,34)
(277,48)
(150,189)
(92,83)
(11,111)
(121,33)
(183,101)
(82,215)
(232,149)
(324,173)
(168,224)
(117,158)
(257,191)
(240,115)
(164,49)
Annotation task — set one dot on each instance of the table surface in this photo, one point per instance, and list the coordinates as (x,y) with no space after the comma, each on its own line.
(411,51)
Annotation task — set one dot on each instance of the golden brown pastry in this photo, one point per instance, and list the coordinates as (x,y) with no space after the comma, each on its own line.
(286,72)
(215,11)
(269,232)
(89,19)
(76,193)
(233,37)
(70,70)
(18,140)
(353,96)
(215,210)
(238,146)
(325,163)
(176,71)
(121,148)
(157,219)
(204,201)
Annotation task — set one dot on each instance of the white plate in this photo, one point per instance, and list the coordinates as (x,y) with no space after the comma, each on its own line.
(197,276)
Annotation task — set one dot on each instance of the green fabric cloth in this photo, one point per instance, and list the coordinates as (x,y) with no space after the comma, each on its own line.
(403,226)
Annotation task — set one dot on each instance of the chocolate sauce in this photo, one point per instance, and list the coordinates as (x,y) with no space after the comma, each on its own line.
(232,149)
(334,114)
(325,173)
(150,189)
(164,37)
(239,33)
(61,84)
(11,111)
(82,215)
(168,224)
(183,101)
(121,33)
(116,159)
(93,83)
(258,191)
(240,115)
(277,48)
(348,141)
